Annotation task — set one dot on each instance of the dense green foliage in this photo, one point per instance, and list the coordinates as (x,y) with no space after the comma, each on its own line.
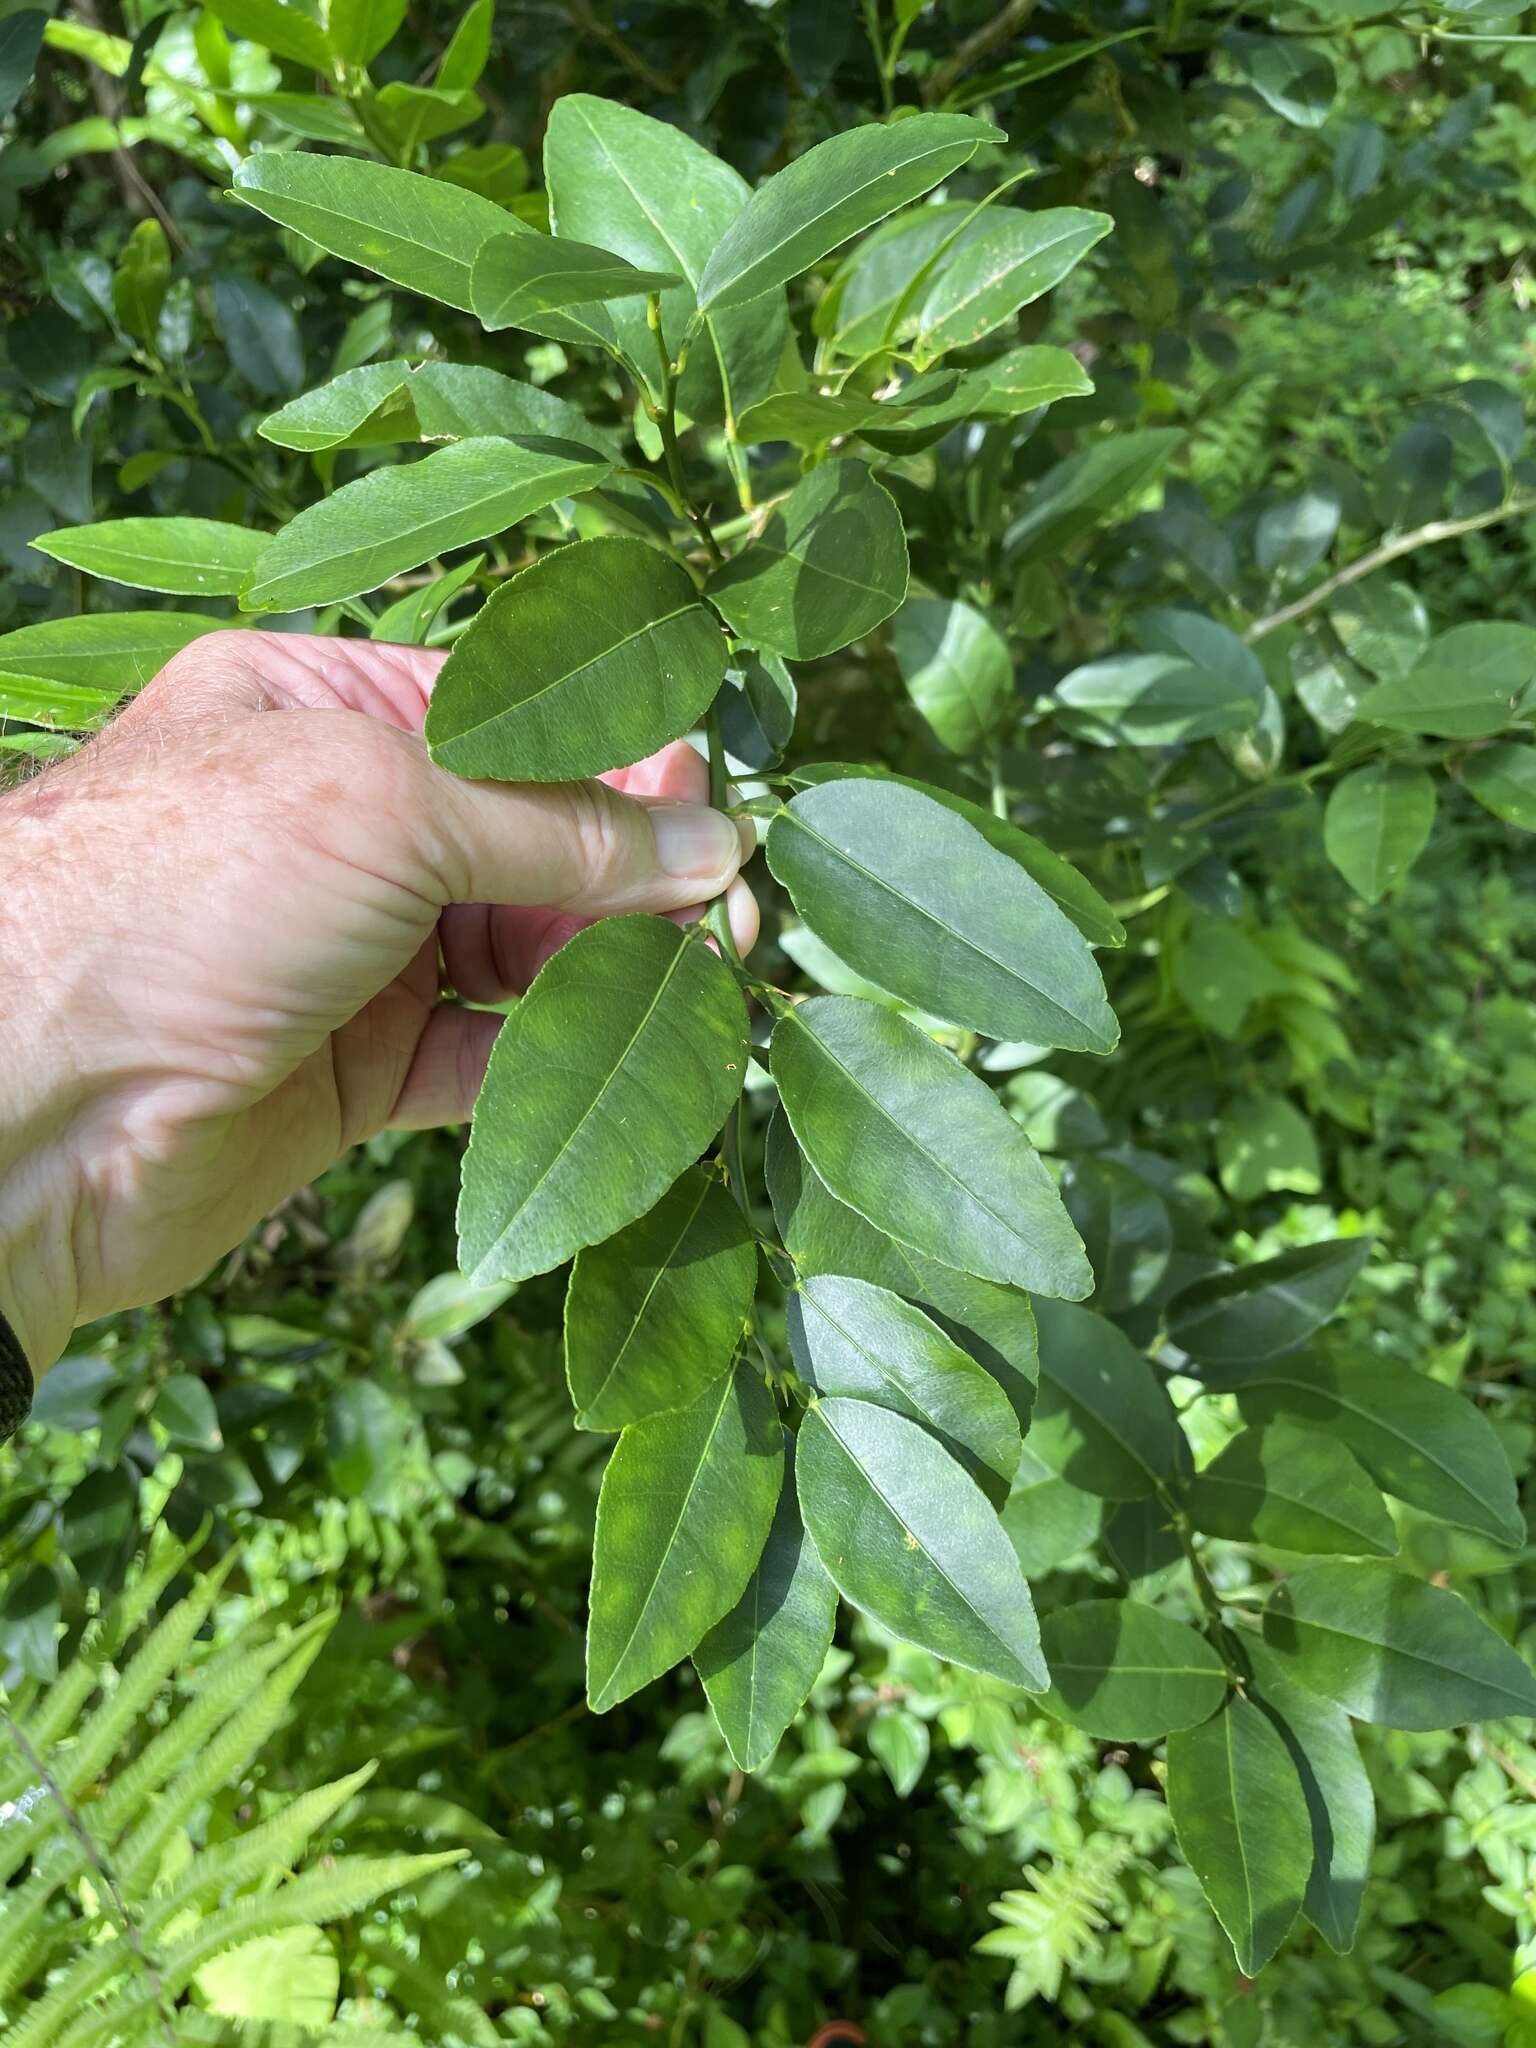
(1101,433)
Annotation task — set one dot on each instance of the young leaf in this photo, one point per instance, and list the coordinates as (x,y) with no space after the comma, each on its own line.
(470,48)
(956,668)
(653,1316)
(1338,1793)
(685,1509)
(1467,684)
(187,557)
(829,565)
(831,193)
(1420,1440)
(1503,779)
(850,1338)
(759,1662)
(1295,1489)
(591,658)
(362,408)
(1101,1418)
(359,29)
(1126,1673)
(285,30)
(1242,1822)
(518,276)
(395,519)
(1259,1312)
(917,902)
(74,672)
(642,188)
(907,1537)
(1391,1649)
(1377,823)
(638,1034)
(902,1133)
(1015,258)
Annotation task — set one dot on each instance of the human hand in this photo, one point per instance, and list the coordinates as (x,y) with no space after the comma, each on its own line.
(226,924)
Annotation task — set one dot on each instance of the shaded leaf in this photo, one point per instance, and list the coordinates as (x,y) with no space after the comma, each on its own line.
(1467,684)
(1295,1489)
(956,667)
(1126,1673)
(515,276)
(1101,1419)
(1377,823)
(1258,1312)
(1014,258)
(1503,780)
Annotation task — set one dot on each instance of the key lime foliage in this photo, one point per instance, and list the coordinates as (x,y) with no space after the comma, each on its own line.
(882,1293)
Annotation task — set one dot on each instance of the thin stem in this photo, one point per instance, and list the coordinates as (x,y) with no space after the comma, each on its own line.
(883,64)
(666,421)
(985,40)
(1389,551)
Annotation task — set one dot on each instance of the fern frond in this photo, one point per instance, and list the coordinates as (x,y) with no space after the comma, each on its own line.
(1047,1929)
(441,2013)
(44,2020)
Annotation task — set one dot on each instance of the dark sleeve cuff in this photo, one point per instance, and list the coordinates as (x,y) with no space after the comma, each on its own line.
(15,1383)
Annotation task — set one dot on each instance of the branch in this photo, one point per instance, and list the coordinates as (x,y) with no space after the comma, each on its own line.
(939,81)
(1389,551)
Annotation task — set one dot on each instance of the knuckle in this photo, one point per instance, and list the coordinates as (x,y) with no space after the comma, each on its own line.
(597,824)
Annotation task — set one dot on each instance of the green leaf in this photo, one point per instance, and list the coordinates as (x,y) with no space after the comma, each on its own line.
(360,28)
(590,658)
(917,902)
(1391,1649)
(21,38)
(74,672)
(293,1975)
(1102,1420)
(642,188)
(908,1538)
(448,1305)
(828,566)
(188,557)
(394,519)
(1126,1673)
(380,403)
(1066,888)
(1242,1822)
(1125,1227)
(1290,76)
(515,276)
(956,667)
(468,51)
(1382,625)
(900,1742)
(759,1662)
(686,1505)
(1467,684)
(654,1316)
(184,1410)
(922,410)
(1338,1793)
(141,279)
(1295,1489)
(834,191)
(1047,1518)
(409,116)
(1265,1146)
(1258,1312)
(1151,700)
(261,335)
(1503,780)
(850,1338)
(287,31)
(1377,823)
(902,1133)
(1077,493)
(1015,258)
(1421,1441)
(638,1034)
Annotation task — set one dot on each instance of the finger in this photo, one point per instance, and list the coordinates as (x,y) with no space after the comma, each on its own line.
(678,771)
(444,1077)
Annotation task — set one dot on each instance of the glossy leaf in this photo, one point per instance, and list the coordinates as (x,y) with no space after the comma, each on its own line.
(638,1034)
(850,1338)
(1420,1440)
(1377,823)
(73,672)
(1151,700)
(381,403)
(394,519)
(187,557)
(1291,76)
(1503,779)
(833,192)
(1125,1228)
(285,30)
(1468,683)
(1293,1488)
(591,658)
(359,29)
(956,668)
(909,1538)
(1015,258)
(1389,1648)
(828,566)
(1340,1802)
(1242,1822)
(518,276)
(902,1133)
(759,1662)
(1258,1312)
(1126,1673)
(685,1509)
(918,903)
(1101,1419)
(653,1316)
(1078,492)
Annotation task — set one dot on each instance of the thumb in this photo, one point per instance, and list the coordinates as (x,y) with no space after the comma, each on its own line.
(578,846)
